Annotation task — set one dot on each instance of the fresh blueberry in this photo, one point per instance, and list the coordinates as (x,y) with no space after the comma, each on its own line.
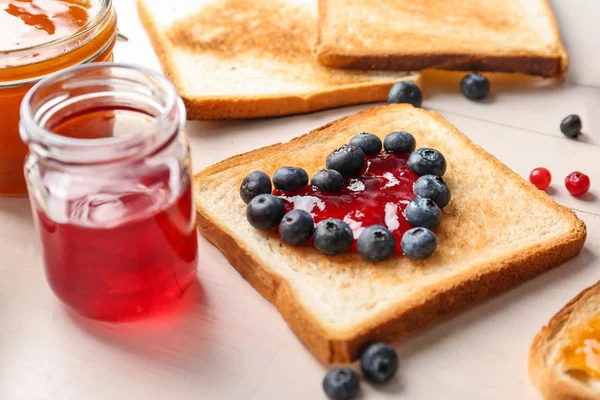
(475,86)
(376,243)
(367,142)
(265,211)
(400,143)
(255,183)
(290,179)
(426,161)
(333,236)
(405,92)
(423,212)
(296,227)
(347,160)
(433,187)
(379,363)
(419,243)
(341,384)
(328,180)
(571,126)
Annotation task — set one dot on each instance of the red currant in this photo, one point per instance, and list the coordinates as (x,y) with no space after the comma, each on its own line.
(541,178)
(577,183)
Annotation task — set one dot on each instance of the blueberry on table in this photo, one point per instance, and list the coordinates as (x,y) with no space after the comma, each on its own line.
(347,160)
(328,180)
(290,179)
(333,236)
(255,183)
(379,363)
(418,243)
(423,212)
(296,227)
(265,211)
(367,142)
(433,187)
(341,384)
(376,243)
(426,161)
(405,92)
(571,126)
(475,86)
(399,143)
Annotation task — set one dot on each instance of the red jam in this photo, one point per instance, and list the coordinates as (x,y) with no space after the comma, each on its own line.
(377,197)
(121,272)
(124,250)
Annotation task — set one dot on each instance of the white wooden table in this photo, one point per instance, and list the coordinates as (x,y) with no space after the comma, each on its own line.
(229,343)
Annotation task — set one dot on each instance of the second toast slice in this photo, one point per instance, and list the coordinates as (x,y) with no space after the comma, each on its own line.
(496,35)
(497,232)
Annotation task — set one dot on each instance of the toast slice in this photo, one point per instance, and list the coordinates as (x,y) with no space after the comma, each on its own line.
(554,377)
(240,59)
(497,232)
(495,35)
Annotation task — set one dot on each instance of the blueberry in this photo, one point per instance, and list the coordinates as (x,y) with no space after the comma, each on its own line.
(423,212)
(426,161)
(419,243)
(341,384)
(400,143)
(376,243)
(379,363)
(255,183)
(333,236)
(571,126)
(296,227)
(433,187)
(328,180)
(367,142)
(265,211)
(405,92)
(290,179)
(475,86)
(347,160)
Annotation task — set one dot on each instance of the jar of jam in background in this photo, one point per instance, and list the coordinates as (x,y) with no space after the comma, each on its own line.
(109,181)
(38,38)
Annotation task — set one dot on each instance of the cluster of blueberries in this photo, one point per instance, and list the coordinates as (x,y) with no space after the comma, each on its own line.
(333,236)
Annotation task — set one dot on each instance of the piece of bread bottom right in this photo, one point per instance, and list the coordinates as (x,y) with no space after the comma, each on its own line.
(564,362)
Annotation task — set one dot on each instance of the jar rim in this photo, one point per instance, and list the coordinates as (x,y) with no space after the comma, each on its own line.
(105,9)
(33,132)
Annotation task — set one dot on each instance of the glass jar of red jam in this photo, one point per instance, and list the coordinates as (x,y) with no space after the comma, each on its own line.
(109,182)
(37,38)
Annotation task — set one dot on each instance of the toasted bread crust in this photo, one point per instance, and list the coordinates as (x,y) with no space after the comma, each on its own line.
(551,385)
(250,107)
(548,67)
(394,323)
(553,67)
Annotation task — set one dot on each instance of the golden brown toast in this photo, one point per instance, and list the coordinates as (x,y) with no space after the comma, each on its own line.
(495,35)
(554,377)
(497,232)
(240,59)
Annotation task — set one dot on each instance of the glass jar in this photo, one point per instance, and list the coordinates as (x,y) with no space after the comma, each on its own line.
(23,62)
(109,182)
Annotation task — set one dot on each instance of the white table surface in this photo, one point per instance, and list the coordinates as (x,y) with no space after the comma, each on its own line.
(229,343)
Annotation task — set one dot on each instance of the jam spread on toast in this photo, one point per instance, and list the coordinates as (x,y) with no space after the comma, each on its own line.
(583,354)
(378,196)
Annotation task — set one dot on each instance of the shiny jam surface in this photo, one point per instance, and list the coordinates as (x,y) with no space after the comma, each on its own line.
(377,197)
(583,354)
(34,22)
(124,249)
(26,23)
